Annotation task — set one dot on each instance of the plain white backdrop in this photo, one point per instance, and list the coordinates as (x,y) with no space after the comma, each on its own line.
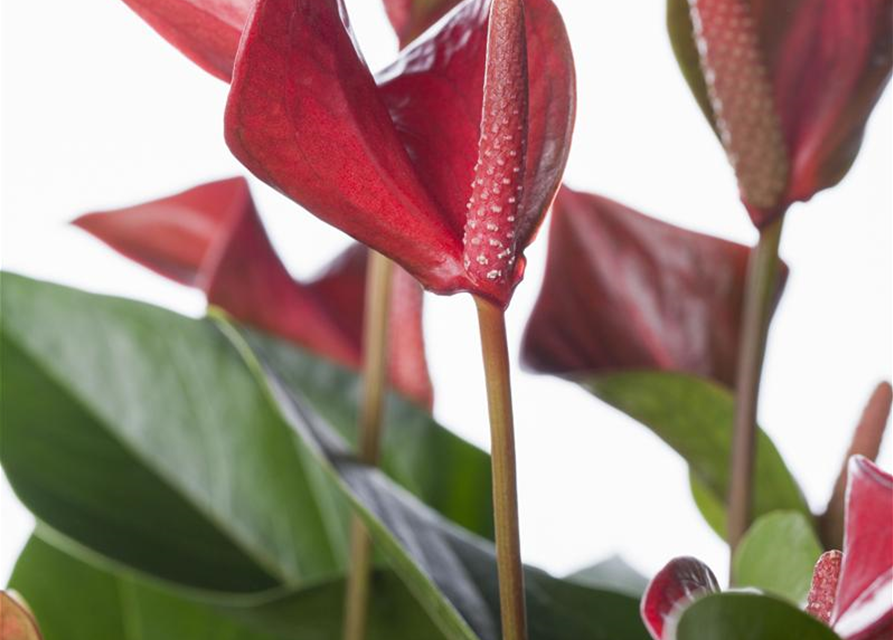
(99,112)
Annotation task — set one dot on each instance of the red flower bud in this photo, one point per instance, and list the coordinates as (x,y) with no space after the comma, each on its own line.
(788,86)
(674,588)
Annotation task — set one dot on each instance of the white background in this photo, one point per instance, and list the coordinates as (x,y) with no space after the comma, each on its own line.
(99,112)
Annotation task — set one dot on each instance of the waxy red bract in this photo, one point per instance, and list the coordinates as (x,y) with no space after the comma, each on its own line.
(863,609)
(462,140)
(623,291)
(788,85)
(211,238)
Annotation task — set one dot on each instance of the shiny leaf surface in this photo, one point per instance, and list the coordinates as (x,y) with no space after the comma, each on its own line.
(451,572)
(777,556)
(748,616)
(694,416)
(79,600)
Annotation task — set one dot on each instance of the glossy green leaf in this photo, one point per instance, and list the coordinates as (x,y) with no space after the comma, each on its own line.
(431,462)
(77,600)
(613,573)
(694,416)
(748,616)
(223,502)
(778,555)
(110,363)
(436,559)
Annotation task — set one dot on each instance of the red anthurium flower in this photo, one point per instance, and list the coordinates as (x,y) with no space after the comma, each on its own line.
(852,592)
(863,609)
(211,238)
(447,162)
(789,86)
(625,291)
(674,588)
(412,17)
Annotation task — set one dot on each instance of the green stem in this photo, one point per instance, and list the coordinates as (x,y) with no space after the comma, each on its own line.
(505,493)
(375,345)
(760,291)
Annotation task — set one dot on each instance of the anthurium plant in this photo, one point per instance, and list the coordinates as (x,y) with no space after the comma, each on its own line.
(272,470)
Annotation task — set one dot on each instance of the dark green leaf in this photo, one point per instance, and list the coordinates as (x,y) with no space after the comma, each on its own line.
(694,416)
(133,367)
(778,555)
(433,557)
(748,616)
(76,600)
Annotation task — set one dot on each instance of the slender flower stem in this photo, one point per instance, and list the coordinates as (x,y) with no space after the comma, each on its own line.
(760,291)
(505,493)
(375,345)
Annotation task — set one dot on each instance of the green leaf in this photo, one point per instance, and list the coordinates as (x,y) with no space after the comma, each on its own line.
(778,555)
(711,506)
(77,600)
(434,558)
(613,573)
(431,462)
(149,384)
(109,404)
(694,416)
(748,616)
(222,502)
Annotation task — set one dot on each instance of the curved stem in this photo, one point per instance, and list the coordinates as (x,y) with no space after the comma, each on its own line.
(760,291)
(505,493)
(375,345)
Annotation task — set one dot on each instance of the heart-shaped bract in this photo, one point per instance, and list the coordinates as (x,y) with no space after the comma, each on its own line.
(863,609)
(211,238)
(446,161)
(624,291)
